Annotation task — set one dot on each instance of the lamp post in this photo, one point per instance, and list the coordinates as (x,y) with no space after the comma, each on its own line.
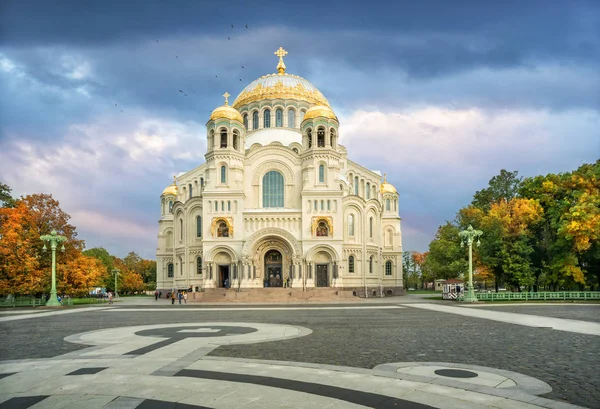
(53,239)
(116,272)
(468,236)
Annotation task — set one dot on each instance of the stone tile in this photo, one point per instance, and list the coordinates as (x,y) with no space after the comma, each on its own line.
(74,402)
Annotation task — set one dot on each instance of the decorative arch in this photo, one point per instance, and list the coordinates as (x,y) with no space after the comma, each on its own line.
(218,220)
(250,245)
(316,221)
(312,252)
(281,167)
(221,249)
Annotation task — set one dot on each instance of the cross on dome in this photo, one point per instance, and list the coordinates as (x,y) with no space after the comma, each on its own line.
(281,66)
(226,95)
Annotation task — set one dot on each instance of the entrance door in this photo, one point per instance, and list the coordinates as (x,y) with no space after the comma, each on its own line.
(273,268)
(321,276)
(224,279)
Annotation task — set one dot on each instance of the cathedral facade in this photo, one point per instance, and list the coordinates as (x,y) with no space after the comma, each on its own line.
(278,202)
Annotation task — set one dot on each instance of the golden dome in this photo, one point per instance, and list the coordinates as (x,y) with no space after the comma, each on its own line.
(225,111)
(387,187)
(280,86)
(319,111)
(171,189)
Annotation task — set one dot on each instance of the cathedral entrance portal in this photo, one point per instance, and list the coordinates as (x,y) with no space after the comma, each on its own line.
(224,280)
(273,267)
(322,276)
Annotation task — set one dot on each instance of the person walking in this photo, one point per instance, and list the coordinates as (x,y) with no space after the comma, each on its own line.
(180,297)
(185,297)
(156,296)
(110,297)
(173,298)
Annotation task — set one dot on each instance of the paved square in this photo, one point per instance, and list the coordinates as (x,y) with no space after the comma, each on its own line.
(369,355)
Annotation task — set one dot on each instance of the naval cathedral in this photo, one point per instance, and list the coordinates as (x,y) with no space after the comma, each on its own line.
(278,202)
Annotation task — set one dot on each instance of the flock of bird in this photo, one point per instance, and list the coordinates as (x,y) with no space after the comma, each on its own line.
(216,76)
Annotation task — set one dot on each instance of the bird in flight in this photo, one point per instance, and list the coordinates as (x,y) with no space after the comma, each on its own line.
(181,91)
(246,26)
(229,38)
(242,66)
(157,41)
(176,57)
(216,76)
(115,104)
(185,95)
(232,26)
(240,79)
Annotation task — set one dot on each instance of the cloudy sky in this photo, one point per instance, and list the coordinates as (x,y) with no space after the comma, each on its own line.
(441,95)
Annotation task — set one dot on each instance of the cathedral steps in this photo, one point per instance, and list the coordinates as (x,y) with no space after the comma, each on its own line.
(273,295)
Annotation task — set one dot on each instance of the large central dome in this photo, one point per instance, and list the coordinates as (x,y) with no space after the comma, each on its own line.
(280,86)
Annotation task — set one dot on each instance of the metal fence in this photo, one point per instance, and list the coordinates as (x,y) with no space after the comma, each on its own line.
(544,295)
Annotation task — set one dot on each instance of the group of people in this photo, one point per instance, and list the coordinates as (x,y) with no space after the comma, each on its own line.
(179,295)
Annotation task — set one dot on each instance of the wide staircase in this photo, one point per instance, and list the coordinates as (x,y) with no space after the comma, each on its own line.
(273,295)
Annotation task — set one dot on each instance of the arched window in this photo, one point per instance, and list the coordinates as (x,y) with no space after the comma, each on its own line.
(321,174)
(370,227)
(302,116)
(279,118)
(329,205)
(332,138)
(351,264)
(223,174)
(223,230)
(273,189)
(267,116)
(190,187)
(321,138)
(222,206)
(387,204)
(223,138)
(171,206)
(316,205)
(246,121)
(216,206)
(368,190)
(322,229)
(388,268)
(199,265)
(309,135)
(170,270)
(236,140)
(291,118)
(202,183)
(350,225)
(371,265)
(356,185)
(229,205)
(322,204)
(180,266)
(255,120)
(198,226)
(180,229)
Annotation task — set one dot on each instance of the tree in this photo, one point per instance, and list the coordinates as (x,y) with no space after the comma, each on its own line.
(80,275)
(6,199)
(19,263)
(446,259)
(568,237)
(107,261)
(504,186)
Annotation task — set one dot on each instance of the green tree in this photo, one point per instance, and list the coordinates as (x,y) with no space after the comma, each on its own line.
(6,200)
(107,261)
(446,259)
(504,186)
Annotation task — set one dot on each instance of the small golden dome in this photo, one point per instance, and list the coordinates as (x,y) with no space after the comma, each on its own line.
(171,189)
(387,187)
(319,111)
(226,112)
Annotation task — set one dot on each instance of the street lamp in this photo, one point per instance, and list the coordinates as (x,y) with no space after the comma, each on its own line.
(468,236)
(116,272)
(54,239)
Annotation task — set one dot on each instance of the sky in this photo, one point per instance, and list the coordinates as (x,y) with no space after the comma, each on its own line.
(440,95)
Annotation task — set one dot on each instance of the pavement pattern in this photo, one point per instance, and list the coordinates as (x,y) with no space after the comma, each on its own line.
(377,356)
